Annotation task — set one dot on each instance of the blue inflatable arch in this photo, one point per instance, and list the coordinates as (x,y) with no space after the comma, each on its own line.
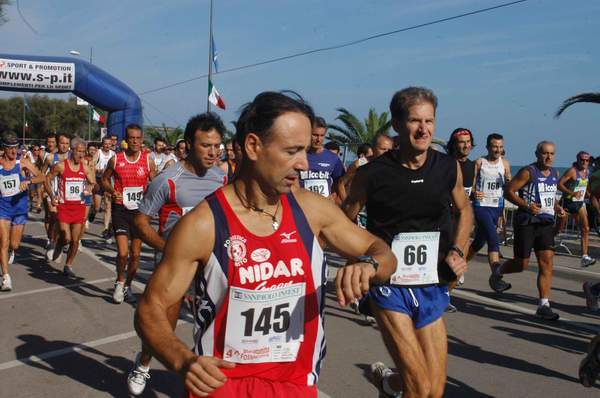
(31,73)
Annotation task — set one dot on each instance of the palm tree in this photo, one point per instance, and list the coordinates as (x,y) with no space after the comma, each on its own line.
(353,132)
(169,134)
(585,97)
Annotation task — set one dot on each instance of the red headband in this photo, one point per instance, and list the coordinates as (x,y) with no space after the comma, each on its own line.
(461,133)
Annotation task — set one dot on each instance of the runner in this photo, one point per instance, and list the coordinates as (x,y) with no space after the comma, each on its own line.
(180,153)
(574,186)
(324,167)
(13,201)
(408,193)
(381,144)
(159,155)
(258,240)
(492,172)
(101,161)
(170,196)
(533,224)
(459,146)
(230,164)
(75,181)
(53,157)
(90,212)
(131,170)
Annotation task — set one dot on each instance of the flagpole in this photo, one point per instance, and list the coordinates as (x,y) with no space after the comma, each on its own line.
(24,116)
(210,54)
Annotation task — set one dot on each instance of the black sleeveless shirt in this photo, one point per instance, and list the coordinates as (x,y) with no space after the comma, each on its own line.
(468,172)
(404,200)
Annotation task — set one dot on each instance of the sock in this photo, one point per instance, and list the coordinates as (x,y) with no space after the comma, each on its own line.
(143,368)
(544,301)
(497,269)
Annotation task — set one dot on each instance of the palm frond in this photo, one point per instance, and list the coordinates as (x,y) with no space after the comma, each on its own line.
(584,97)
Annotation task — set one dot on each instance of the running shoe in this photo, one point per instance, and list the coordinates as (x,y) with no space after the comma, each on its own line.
(546,313)
(498,284)
(591,300)
(589,367)
(378,373)
(6,283)
(128,295)
(57,253)
(92,215)
(586,261)
(460,281)
(50,251)
(11,256)
(119,292)
(138,377)
(68,271)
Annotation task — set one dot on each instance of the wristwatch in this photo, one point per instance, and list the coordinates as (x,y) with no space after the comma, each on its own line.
(458,251)
(370,260)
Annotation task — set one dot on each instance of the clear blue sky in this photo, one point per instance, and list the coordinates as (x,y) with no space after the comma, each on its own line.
(504,71)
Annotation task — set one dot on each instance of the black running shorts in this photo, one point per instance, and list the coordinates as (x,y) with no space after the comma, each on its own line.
(538,236)
(122,220)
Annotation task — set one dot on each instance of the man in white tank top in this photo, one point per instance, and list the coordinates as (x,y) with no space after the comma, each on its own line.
(492,172)
(101,161)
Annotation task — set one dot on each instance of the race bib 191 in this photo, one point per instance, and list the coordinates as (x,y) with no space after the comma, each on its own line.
(9,185)
(264,325)
(547,205)
(132,196)
(317,186)
(417,255)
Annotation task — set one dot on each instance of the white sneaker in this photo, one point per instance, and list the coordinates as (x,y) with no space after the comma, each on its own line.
(50,251)
(460,281)
(6,283)
(379,372)
(119,293)
(586,261)
(137,378)
(11,256)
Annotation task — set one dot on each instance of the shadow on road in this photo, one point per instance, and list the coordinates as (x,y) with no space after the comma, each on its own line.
(108,375)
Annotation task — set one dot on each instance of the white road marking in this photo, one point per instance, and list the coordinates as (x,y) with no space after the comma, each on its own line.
(68,350)
(48,289)
(139,285)
(517,308)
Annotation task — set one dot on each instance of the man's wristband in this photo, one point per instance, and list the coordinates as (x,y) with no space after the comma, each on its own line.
(369,260)
(458,251)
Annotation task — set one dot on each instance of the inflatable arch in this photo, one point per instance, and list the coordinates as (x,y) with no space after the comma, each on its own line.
(30,73)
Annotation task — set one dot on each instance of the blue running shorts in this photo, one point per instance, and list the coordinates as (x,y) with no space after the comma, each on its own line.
(424,305)
(16,219)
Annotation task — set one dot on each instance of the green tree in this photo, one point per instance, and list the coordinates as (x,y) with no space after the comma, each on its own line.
(169,134)
(352,132)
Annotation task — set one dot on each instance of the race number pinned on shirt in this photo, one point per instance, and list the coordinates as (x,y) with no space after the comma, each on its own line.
(579,193)
(9,185)
(132,196)
(264,325)
(417,255)
(317,186)
(492,192)
(73,191)
(547,199)
(468,191)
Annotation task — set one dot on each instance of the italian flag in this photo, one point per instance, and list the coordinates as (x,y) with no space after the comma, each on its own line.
(214,97)
(98,117)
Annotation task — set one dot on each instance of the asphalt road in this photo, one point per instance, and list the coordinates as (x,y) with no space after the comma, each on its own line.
(65,338)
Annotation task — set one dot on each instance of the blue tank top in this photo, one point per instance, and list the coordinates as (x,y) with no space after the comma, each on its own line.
(12,202)
(541,189)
